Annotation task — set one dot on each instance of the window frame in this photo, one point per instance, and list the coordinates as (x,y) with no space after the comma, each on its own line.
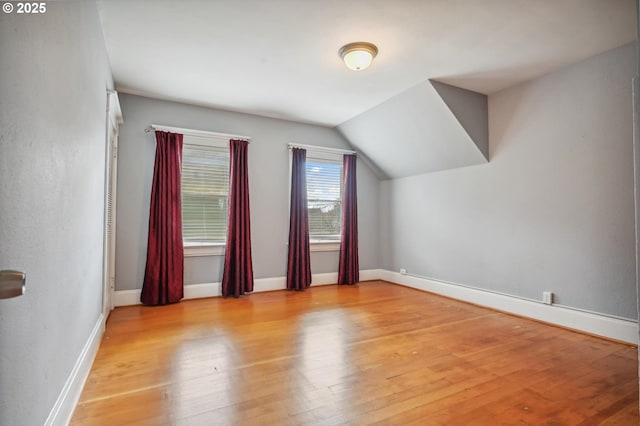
(326,156)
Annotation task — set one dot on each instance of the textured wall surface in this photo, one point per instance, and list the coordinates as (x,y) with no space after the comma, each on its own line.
(553,210)
(52,164)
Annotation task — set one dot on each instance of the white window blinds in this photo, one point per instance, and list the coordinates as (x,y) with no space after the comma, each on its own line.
(324,198)
(205,193)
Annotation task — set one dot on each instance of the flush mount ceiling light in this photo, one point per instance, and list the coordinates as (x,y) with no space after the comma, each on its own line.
(358,56)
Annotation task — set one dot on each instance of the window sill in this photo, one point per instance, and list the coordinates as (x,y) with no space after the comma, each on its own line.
(324,246)
(204,249)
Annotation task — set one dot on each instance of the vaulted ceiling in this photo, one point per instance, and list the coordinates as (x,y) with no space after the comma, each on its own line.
(279,58)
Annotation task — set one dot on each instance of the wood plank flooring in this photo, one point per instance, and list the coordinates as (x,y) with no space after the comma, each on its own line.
(375,353)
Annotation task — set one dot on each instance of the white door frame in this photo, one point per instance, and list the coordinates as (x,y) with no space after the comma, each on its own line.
(114,119)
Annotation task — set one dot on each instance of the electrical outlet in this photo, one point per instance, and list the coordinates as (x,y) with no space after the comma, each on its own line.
(403,271)
(547,297)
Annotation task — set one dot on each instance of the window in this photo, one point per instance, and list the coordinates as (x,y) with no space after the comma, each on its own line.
(205,193)
(324,197)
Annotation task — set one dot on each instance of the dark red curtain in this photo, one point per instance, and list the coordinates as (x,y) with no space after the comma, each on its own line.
(237,278)
(299,262)
(349,268)
(164,272)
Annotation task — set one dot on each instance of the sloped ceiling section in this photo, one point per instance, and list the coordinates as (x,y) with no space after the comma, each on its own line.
(430,127)
(471,111)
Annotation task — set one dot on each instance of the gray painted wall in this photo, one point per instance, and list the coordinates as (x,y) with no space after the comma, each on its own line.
(554,208)
(52,115)
(268,182)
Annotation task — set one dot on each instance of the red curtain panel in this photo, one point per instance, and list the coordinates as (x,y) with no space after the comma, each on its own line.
(164,272)
(299,262)
(237,278)
(348,269)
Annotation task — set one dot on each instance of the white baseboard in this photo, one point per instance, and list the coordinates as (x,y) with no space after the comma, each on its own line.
(126,297)
(588,322)
(371,274)
(62,410)
(196,291)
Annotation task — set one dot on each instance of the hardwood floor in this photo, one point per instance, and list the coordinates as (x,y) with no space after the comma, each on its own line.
(375,353)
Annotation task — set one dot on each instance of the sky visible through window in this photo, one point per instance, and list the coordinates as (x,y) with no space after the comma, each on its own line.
(323,181)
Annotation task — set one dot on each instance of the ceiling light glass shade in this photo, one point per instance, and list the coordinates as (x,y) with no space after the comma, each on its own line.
(358,56)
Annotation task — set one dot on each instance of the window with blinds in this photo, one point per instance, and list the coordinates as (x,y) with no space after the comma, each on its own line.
(324,199)
(205,193)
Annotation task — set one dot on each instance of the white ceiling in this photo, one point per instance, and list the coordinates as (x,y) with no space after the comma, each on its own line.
(278,58)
